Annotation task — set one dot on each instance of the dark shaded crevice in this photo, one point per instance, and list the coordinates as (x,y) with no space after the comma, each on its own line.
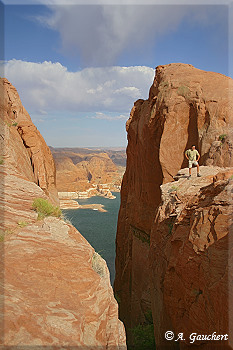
(89,176)
(200,217)
(28,151)
(140,234)
(193,137)
(207,119)
(205,156)
(212,224)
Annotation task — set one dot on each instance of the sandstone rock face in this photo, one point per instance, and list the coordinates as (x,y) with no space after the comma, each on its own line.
(189,250)
(22,146)
(186,106)
(56,291)
(78,169)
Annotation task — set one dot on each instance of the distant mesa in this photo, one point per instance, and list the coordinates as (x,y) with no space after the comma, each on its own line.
(89,172)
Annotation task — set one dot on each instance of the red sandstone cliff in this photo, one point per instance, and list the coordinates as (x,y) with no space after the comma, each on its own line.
(80,168)
(174,264)
(56,290)
(23,144)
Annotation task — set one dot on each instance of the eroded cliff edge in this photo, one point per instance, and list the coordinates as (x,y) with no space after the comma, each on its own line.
(55,289)
(177,264)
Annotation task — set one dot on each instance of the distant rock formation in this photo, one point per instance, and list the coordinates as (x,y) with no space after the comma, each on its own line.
(56,290)
(171,259)
(78,169)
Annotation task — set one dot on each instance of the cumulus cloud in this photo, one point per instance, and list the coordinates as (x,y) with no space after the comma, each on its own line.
(100,34)
(110,117)
(49,87)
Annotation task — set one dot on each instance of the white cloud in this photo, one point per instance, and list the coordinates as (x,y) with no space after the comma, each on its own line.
(49,87)
(100,34)
(103,116)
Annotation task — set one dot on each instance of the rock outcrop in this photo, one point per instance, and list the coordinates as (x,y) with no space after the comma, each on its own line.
(79,169)
(56,290)
(158,257)
(189,250)
(23,147)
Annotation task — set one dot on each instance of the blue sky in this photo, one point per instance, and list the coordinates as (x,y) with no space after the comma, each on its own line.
(78,69)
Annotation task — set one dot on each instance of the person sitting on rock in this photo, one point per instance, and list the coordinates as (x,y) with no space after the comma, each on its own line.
(191,155)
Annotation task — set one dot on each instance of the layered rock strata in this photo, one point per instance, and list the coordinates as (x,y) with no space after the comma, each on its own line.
(22,146)
(79,169)
(55,289)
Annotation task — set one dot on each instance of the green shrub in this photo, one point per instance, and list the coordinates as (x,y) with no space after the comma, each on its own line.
(149,317)
(4,233)
(11,124)
(183,91)
(143,337)
(1,161)
(222,137)
(44,208)
(173,189)
(143,334)
(22,223)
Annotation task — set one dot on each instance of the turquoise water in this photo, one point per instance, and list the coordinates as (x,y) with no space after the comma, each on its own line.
(98,228)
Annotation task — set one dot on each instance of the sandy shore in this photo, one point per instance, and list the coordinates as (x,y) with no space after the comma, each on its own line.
(99,207)
(73,204)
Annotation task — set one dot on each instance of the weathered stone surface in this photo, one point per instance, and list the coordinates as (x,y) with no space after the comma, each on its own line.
(186,106)
(189,257)
(56,291)
(79,169)
(22,145)
(54,295)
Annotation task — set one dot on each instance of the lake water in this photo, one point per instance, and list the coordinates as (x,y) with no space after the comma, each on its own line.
(98,228)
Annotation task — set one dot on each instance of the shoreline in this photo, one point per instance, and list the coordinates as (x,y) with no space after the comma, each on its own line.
(73,204)
(104,191)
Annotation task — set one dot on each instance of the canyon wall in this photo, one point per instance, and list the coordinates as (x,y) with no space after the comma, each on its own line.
(78,169)
(26,149)
(175,264)
(55,289)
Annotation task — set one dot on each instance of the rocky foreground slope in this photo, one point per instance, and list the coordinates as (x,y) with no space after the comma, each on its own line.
(173,241)
(56,289)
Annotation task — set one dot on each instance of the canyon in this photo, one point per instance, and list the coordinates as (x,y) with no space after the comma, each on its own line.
(86,172)
(82,169)
(55,289)
(173,244)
